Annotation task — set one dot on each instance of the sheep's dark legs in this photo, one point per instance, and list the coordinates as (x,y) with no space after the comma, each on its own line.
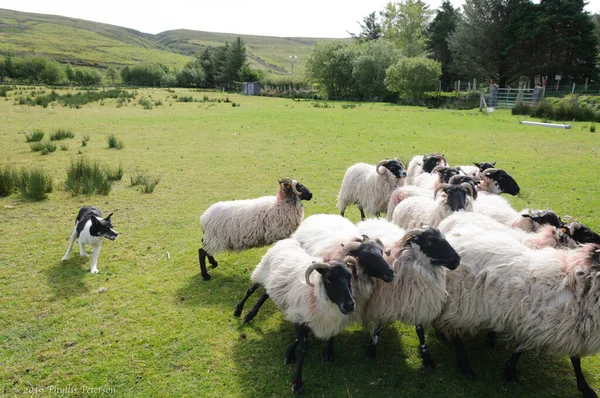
(202,258)
(461,356)
(240,306)
(372,347)
(329,350)
(252,313)
(290,352)
(582,385)
(510,369)
(302,337)
(427,361)
(342,212)
(362,212)
(378,215)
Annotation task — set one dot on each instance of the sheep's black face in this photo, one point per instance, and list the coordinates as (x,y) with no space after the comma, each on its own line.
(545,217)
(457,180)
(336,279)
(305,194)
(446,173)
(370,256)
(396,168)
(433,244)
(457,197)
(585,235)
(504,182)
(484,165)
(430,161)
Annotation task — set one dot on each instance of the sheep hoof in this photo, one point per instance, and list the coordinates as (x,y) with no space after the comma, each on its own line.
(588,392)
(427,361)
(510,375)
(237,312)
(206,277)
(291,358)
(297,387)
(214,265)
(371,352)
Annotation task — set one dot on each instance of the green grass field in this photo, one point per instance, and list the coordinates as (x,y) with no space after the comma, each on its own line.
(148,325)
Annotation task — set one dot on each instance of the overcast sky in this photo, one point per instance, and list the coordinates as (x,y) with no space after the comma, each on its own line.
(306,18)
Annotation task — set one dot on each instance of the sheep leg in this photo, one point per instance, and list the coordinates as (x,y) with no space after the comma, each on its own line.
(329,350)
(342,212)
(290,352)
(582,385)
(302,335)
(240,306)
(202,258)
(510,369)
(378,215)
(427,361)
(252,313)
(372,347)
(463,360)
(362,212)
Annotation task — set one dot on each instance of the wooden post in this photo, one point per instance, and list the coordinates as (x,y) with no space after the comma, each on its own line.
(458,87)
(586,82)
(474,84)
(573,89)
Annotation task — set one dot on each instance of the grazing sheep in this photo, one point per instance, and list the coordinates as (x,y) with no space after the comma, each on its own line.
(322,302)
(417,293)
(333,237)
(242,224)
(544,300)
(414,211)
(423,164)
(370,186)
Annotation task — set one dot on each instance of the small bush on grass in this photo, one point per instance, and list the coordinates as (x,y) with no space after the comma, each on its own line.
(34,184)
(84,139)
(43,147)
(34,136)
(8,180)
(115,174)
(61,134)
(114,142)
(146,182)
(185,99)
(85,177)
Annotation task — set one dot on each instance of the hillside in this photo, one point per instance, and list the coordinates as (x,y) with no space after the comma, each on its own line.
(101,45)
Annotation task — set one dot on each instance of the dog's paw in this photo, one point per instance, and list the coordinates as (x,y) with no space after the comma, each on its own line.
(64,259)
(94,270)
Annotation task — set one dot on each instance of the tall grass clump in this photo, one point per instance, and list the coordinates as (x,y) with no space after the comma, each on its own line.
(115,174)
(8,180)
(84,139)
(85,177)
(146,182)
(34,136)
(43,147)
(61,134)
(34,184)
(114,142)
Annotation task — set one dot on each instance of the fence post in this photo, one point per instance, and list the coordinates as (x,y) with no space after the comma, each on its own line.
(586,82)
(475,84)
(573,89)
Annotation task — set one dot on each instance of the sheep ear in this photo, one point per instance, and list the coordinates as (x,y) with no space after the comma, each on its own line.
(388,252)
(596,256)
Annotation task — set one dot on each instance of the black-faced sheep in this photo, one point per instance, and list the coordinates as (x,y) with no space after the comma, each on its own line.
(423,164)
(543,300)
(370,186)
(242,224)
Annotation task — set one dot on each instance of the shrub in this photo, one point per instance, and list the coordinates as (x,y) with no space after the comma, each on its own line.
(84,139)
(34,136)
(34,184)
(114,174)
(147,104)
(61,134)
(64,147)
(114,142)
(85,177)
(592,128)
(8,179)
(185,99)
(412,77)
(49,147)
(37,146)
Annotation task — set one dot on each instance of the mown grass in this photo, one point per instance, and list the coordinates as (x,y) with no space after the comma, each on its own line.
(148,325)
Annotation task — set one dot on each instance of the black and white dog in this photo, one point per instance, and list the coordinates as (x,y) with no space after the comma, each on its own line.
(91,229)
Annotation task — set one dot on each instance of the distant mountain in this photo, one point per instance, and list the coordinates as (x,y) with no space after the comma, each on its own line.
(81,42)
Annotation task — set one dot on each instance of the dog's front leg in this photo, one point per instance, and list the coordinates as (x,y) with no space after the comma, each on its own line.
(82,252)
(95,253)
(68,253)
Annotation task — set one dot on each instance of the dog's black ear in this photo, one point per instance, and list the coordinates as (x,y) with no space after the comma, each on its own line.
(110,215)
(94,220)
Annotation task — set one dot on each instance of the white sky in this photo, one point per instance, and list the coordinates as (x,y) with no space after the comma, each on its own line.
(306,18)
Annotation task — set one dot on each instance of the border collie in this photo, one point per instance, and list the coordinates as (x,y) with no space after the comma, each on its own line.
(90,229)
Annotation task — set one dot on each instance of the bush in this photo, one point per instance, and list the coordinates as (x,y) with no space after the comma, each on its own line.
(85,177)
(61,134)
(114,142)
(35,136)
(84,139)
(413,77)
(8,180)
(34,184)
(185,99)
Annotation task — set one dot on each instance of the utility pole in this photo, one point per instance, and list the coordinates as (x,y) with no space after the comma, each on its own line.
(293,59)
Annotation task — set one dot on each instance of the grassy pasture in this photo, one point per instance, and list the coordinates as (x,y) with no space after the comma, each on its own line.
(148,325)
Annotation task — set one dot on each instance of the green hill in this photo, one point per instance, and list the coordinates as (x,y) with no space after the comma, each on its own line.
(101,45)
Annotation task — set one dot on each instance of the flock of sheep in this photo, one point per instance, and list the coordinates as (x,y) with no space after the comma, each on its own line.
(452,254)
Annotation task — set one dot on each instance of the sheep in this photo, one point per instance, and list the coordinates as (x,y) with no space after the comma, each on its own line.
(414,211)
(321,302)
(333,237)
(545,300)
(370,186)
(476,169)
(500,210)
(497,181)
(383,230)
(440,174)
(423,164)
(417,293)
(242,224)
(579,232)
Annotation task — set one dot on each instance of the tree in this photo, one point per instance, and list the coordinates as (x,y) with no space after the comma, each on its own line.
(112,74)
(444,23)
(373,59)
(370,28)
(405,24)
(248,74)
(330,67)
(412,77)
(235,59)
(192,75)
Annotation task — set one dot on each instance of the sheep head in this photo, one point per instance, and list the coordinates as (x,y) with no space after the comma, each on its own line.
(432,160)
(395,166)
(369,257)
(498,181)
(432,243)
(292,186)
(456,195)
(336,278)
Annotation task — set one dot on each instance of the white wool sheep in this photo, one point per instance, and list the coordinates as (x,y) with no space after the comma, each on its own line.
(242,224)
(417,210)
(423,164)
(544,300)
(499,209)
(369,186)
